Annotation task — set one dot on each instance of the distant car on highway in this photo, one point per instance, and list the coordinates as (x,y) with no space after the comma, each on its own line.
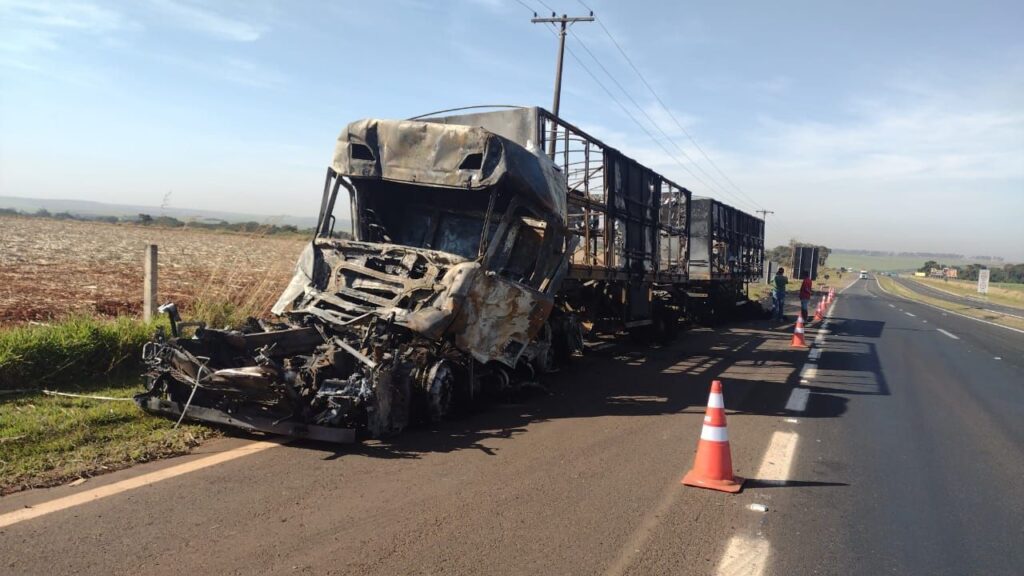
(863,274)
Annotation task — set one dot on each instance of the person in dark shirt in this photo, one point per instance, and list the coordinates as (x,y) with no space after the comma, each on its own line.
(779,294)
(806,290)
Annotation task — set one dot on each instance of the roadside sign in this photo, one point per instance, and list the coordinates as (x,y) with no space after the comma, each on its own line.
(983,281)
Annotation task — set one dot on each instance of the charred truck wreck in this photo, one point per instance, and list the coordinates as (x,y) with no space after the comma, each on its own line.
(477,262)
(446,292)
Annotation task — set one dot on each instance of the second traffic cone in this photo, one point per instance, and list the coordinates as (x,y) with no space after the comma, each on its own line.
(819,312)
(798,332)
(712,468)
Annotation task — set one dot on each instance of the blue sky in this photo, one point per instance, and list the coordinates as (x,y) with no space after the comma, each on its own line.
(882,125)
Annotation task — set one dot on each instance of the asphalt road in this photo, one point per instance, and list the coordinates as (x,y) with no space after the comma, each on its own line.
(896,449)
(977,303)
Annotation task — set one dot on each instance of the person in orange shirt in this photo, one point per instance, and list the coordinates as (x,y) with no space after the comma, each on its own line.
(806,290)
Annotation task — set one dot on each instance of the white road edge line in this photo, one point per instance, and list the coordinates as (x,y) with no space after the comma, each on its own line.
(944,311)
(950,334)
(908,314)
(971,298)
(87,496)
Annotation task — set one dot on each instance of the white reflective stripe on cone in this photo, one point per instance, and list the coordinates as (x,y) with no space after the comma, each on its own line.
(714,433)
(716,401)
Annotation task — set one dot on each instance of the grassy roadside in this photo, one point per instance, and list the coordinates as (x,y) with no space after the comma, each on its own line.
(68,351)
(890,286)
(48,440)
(997,294)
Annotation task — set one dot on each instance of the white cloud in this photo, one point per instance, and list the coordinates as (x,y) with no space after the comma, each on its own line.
(70,15)
(209,22)
(32,29)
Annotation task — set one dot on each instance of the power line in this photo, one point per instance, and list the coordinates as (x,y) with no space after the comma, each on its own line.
(632,117)
(523,4)
(718,187)
(667,110)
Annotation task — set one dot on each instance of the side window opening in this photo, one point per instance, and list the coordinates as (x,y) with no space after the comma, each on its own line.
(360,152)
(472,162)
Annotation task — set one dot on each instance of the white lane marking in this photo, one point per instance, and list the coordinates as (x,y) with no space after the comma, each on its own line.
(944,311)
(798,400)
(892,305)
(131,483)
(744,556)
(849,285)
(950,334)
(908,314)
(814,354)
(998,358)
(791,420)
(778,459)
(809,371)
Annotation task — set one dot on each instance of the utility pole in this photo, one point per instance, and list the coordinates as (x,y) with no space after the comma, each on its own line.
(764,214)
(565,21)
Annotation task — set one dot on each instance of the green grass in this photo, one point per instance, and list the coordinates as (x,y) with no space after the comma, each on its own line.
(48,440)
(68,351)
(889,285)
(997,293)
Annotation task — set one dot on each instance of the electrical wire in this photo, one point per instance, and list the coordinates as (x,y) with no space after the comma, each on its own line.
(667,110)
(717,187)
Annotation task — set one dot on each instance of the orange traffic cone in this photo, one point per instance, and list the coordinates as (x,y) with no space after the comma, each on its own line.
(819,312)
(712,468)
(798,332)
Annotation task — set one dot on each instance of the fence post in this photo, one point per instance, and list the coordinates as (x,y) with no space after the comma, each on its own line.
(149,284)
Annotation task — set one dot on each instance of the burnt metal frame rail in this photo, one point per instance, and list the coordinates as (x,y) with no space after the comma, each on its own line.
(633,221)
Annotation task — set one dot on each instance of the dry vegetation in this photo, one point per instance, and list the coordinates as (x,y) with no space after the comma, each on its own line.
(53,269)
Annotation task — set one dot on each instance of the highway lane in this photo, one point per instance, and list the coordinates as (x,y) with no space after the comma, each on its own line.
(906,459)
(977,303)
(931,447)
(584,481)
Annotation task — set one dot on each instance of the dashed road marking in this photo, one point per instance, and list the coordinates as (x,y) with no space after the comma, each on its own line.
(798,400)
(908,314)
(950,334)
(809,371)
(131,483)
(744,555)
(892,305)
(778,459)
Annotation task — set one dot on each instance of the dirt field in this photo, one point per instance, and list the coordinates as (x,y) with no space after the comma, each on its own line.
(50,268)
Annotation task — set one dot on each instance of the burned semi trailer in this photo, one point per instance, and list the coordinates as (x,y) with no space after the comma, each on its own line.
(629,267)
(727,254)
(446,292)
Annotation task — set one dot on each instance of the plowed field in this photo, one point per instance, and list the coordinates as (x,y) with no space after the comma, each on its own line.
(51,268)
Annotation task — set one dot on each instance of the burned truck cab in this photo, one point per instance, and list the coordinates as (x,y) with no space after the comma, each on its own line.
(445,287)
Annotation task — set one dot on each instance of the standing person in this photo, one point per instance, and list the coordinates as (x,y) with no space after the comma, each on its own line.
(779,294)
(806,290)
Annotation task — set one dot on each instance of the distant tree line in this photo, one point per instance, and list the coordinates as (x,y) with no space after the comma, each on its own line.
(941,256)
(168,222)
(1012,273)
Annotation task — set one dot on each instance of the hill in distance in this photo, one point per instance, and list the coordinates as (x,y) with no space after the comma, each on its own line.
(90,209)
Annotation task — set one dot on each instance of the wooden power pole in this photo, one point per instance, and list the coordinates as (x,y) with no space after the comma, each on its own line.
(564,21)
